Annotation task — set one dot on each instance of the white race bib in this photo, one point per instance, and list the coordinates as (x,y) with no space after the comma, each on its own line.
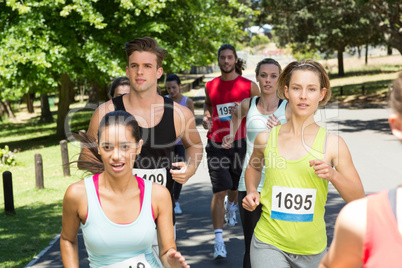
(293,204)
(135,262)
(157,175)
(224,111)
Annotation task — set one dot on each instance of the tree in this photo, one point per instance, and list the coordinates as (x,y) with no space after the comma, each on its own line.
(44,42)
(388,20)
(326,26)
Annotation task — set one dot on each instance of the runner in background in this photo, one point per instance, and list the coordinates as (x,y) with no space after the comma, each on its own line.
(119,87)
(299,157)
(368,231)
(173,86)
(222,95)
(262,113)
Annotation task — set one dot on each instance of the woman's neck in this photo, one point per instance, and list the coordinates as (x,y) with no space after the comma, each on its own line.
(268,102)
(117,184)
(299,125)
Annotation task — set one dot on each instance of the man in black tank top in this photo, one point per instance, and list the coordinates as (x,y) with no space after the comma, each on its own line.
(161,121)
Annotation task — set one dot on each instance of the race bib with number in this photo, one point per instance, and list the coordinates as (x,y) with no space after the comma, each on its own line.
(135,262)
(224,111)
(157,175)
(293,204)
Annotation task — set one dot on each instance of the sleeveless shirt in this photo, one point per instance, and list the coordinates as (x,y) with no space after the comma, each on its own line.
(158,148)
(293,199)
(382,242)
(223,94)
(109,243)
(256,122)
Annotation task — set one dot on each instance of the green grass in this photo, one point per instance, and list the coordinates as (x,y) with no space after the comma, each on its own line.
(373,78)
(38,211)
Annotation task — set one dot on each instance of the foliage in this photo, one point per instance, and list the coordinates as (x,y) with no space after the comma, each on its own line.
(386,19)
(326,26)
(7,157)
(257,40)
(47,43)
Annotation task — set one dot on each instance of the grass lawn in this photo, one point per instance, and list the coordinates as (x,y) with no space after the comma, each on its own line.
(38,212)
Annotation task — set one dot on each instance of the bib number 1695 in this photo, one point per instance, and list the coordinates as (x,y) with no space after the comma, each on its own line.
(295,201)
(293,204)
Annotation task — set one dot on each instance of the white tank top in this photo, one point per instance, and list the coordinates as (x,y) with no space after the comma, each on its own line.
(256,122)
(110,243)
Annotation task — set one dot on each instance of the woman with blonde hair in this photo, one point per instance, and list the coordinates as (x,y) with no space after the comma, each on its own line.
(299,157)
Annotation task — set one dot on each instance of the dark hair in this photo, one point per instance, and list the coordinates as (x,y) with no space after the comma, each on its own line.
(119,81)
(173,77)
(240,64)
(147,44)
(120,118)
(94,163)
(267,61)
(396,95)
(305,65)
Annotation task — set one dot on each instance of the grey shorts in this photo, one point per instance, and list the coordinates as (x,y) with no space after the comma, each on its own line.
(265,256)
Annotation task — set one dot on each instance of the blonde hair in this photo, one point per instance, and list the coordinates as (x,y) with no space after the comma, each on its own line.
(395,98)
(304,65)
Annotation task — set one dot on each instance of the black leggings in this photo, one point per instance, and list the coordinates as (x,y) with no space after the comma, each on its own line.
(248,222)
(179,157)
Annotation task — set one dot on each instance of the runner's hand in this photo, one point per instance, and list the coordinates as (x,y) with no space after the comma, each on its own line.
(273,121)
(175,259)
(322,169)
(207,122)
(251,201)
(181,174)
(234,107)
(227,141)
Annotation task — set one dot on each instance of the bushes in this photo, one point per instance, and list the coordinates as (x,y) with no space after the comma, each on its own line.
(7,158)
(257,40)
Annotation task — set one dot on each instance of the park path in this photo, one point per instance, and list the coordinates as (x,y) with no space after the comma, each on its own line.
(375,152)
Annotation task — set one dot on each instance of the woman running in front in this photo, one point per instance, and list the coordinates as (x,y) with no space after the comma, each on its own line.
(262,113)
(117,211)
(300,159)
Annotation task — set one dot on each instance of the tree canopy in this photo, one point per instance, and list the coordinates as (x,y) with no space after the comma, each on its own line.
(330,25)
(43,42)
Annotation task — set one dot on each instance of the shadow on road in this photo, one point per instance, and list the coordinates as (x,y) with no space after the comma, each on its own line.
(377,125)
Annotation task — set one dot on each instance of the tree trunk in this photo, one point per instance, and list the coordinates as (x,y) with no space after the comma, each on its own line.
(389,50)
(341,71)
(93,94)
(359,51)
(46,114)
(64,104)
(104,93)
(29,102)
(72,95)
(366,56)
(5,108)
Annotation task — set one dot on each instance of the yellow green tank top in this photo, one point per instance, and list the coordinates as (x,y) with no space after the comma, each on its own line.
(293,199)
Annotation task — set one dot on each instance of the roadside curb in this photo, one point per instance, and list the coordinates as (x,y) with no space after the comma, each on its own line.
(43,252)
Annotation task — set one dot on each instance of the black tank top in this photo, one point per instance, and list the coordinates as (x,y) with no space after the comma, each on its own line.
(159,141)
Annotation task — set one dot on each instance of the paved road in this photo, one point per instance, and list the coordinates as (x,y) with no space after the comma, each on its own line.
(376,154)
